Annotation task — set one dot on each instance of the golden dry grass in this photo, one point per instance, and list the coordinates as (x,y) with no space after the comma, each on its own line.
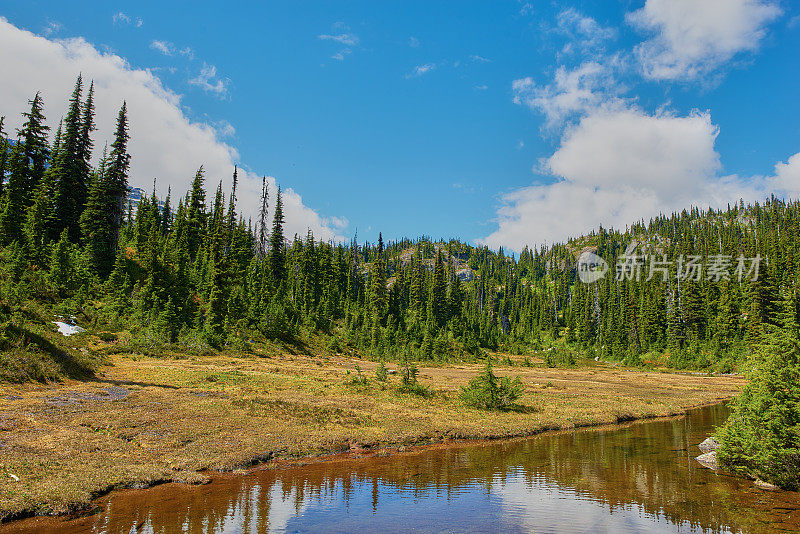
(144,420)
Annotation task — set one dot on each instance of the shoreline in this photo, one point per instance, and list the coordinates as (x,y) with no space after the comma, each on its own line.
(354,454)
(148,422)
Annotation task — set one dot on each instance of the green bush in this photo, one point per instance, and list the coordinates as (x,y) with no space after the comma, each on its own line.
(408,380)
(381,373)
(359,379)
(559,357)
(488,392)
(762,436)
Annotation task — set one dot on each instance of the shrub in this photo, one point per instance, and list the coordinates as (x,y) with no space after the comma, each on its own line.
(381,373)
(559,357)
(408,380)
(359,379)
(488,392)
(762,436)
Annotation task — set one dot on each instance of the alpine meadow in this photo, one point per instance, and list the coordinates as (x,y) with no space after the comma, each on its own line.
(195,340)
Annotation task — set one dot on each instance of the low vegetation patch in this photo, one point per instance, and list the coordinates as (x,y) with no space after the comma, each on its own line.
(488,392)
(303,412)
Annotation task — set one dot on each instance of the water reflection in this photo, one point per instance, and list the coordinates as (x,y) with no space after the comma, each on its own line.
(638,478)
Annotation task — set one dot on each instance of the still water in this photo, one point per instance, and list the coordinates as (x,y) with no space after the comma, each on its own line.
(639,477)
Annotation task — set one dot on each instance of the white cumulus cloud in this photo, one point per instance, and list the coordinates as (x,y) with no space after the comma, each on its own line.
(573,91)
(694,37)
(614,168)
(165,144)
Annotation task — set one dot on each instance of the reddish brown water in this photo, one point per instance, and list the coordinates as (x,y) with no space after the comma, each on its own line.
(635,478)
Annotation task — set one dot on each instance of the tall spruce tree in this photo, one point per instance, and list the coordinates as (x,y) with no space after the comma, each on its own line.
(102,218)
(277,258)
(35,151)
(196,213)
(70,169)
(119,161)
(85,143)
(12,204)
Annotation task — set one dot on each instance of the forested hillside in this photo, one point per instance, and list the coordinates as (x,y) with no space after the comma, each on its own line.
(192,271)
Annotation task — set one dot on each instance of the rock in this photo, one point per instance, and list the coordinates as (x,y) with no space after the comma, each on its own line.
(466,274)
(709,445)
(708,460)
(766,485)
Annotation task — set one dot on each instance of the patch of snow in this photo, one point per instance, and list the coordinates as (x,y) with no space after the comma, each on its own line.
(68,329)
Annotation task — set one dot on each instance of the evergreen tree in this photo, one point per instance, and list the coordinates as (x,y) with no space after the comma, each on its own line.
(379,298)
(196,213)
(277,259)
(70,168)
(85,143)
(12,205)
(438,293)
(32,160)
(762,435)
(102,219)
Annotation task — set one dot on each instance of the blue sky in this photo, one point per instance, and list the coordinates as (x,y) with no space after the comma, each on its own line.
(448,119)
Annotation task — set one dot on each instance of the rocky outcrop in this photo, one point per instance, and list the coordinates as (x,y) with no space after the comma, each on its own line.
(709,445)
(766,485)
(708,460)
(466,274)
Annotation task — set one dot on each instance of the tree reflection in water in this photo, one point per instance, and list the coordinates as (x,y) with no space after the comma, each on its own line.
(636,478)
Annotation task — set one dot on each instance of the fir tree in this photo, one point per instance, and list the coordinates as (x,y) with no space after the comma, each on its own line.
(12,205)
(69,168)
(102,219)
(196,213)
(277,259)
(762,435)
(35,152)
(85,143)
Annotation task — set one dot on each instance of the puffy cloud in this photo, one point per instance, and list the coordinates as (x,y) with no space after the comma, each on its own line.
(617,167)
(575,91)
(165,143)
(617,164)
(787,177)
(664,155)
(693,37)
